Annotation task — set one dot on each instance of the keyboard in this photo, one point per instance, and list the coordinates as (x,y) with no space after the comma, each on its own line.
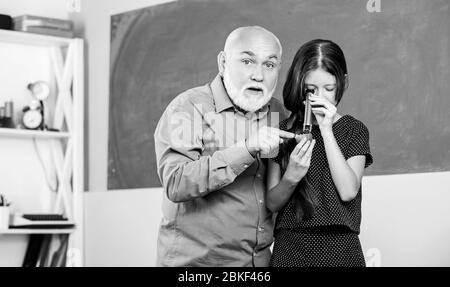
(44,217)
(46,220)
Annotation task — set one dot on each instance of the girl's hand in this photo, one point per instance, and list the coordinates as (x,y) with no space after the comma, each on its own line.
(323,110)
(299,160)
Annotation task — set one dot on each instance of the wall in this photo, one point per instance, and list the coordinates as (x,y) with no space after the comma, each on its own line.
(114,246)
(45,8)
(406,219)
(121,227)
(96,16)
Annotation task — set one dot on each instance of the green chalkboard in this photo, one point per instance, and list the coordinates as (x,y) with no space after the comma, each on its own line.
(398,62)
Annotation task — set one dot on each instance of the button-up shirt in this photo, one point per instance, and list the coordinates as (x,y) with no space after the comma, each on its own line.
(214,211)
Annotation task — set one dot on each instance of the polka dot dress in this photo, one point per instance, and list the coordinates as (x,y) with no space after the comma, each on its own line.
(330,237)
(326,246)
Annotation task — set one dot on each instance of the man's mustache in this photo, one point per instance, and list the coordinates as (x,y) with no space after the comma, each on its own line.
(256,88)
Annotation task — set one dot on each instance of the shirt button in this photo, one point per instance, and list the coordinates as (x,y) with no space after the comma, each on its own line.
(260,229)
(255,253)
(261,201)
(258,175)
(245,165)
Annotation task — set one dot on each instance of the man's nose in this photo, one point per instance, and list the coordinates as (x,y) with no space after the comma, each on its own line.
(257,74)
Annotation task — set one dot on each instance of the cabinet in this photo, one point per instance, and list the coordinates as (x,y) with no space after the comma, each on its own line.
(42,171)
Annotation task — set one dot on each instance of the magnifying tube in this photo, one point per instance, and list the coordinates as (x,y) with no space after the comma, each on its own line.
(307,122)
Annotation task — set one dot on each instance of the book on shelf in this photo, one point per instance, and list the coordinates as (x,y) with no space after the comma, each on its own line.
(46,250)
(33,250)
(59,257)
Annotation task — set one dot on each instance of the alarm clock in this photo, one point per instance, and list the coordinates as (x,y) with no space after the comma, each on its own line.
(32,116)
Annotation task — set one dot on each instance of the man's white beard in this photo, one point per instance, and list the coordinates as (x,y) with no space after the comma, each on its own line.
(249,104)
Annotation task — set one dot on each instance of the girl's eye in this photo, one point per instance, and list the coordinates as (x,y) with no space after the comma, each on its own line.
(330,90)
(246,61)
(310,90)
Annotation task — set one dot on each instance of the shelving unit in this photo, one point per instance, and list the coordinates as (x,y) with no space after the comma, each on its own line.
(66,57)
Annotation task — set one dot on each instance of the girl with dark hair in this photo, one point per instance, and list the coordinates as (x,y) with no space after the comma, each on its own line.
(315,185)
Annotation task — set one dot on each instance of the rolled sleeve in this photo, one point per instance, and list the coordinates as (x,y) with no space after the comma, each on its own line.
(238,157)
(184,172)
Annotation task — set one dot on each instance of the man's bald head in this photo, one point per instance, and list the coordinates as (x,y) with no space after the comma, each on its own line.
(249,66)
(250,33)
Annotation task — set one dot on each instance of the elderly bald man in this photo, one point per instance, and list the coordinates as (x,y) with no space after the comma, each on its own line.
(212,145)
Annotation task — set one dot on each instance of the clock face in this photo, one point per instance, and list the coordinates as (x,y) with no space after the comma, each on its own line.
(32,119)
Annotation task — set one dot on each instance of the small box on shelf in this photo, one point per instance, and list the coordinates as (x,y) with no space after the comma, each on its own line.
(4,213)
(6,115)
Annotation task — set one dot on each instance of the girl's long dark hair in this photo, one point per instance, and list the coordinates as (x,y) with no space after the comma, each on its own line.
(312,55)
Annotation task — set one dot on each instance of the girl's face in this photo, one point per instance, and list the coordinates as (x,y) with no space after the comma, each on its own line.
(323,83)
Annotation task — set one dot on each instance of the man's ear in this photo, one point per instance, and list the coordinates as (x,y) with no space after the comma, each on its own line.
(221,63)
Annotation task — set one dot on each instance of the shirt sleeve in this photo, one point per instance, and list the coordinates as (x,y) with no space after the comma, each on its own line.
(184,172)
(360,144)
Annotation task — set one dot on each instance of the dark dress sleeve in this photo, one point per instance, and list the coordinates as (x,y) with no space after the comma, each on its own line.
(278,158)
(360,143)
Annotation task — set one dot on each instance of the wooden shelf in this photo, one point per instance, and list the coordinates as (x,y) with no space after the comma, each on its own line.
(37,231)
(23,133)
(33,39)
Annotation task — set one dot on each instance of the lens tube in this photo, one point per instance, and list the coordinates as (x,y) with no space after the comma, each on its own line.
(307,125)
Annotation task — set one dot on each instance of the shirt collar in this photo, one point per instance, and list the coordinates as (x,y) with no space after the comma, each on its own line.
(222,100)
